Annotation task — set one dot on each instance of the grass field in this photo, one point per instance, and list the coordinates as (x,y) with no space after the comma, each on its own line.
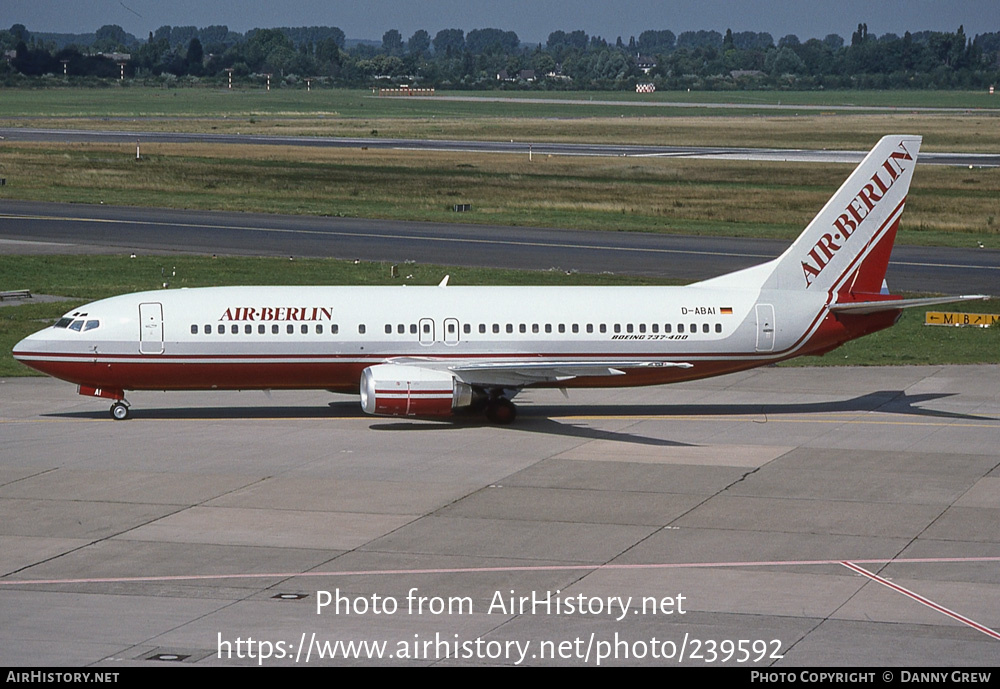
(909,342)
(948,206)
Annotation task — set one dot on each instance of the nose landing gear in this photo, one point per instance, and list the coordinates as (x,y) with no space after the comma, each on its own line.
(119,410)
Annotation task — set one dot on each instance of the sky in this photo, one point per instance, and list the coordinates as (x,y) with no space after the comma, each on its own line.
(532,20)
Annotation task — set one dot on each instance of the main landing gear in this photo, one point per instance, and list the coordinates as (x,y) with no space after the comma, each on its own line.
(501,410)
(119,410)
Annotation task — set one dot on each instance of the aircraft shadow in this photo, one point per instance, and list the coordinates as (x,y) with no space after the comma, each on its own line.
(552,419)
(884,401)
(530,424)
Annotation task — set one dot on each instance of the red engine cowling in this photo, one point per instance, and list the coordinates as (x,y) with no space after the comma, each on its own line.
(394,390)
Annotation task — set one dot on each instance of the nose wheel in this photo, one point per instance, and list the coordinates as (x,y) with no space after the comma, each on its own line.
(119,411)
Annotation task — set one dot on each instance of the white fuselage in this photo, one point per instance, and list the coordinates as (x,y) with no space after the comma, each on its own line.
(322,337)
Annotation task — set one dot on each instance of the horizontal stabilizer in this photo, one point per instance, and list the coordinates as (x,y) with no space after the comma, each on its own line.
(863,307)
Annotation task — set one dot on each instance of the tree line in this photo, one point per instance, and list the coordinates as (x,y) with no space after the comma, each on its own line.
(491,58)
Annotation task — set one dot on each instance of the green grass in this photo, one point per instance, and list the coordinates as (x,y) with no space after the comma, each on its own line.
(87,278)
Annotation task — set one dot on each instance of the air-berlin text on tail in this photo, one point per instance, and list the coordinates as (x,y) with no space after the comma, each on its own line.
(856,211)
(278,313)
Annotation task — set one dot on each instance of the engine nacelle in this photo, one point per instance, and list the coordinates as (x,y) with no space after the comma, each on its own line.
(394,390)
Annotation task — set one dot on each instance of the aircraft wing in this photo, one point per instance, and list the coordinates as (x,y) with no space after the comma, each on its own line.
(520,372)
(863,307)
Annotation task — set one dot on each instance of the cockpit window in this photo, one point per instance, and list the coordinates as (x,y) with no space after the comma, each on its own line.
(63,322)
(76,325)
(90,325)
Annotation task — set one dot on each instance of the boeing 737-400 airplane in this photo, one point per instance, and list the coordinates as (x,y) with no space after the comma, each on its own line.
(432,351)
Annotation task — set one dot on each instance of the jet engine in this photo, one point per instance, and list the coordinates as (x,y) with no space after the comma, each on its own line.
(396,390)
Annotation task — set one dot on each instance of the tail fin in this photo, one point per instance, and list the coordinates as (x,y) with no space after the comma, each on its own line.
(846,247)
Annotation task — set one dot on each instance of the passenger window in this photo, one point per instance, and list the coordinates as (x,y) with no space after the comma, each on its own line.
(704,327)
(522,328)
(361,328)
(194,329)
(304,329)
(248,329)
(274,329)
(590,327)
(334,329)
(510,328)
(694,327)
(260,329)
(618,327)
(466,328)
(289,329)
(388,329)
(319,328)
(413,328)
(667,327)
(718,327)
(234,329)
(221,329)
(628,328)
(548,327)
(482,328)
(562,327)
(576,327)
(655,327)
(496,328)
(642,327)
(604,327)
(534,327)
(208,329)
(680,327)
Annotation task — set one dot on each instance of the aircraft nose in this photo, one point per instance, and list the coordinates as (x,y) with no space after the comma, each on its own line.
(22,347)
(26,346)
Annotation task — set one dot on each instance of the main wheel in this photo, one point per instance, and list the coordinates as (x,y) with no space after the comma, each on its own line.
(119,411)
(501,410)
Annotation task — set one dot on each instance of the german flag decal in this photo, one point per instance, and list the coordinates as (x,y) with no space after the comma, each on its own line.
(726,310)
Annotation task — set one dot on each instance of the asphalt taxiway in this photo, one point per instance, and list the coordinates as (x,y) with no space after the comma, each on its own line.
(797,516)
(39,227)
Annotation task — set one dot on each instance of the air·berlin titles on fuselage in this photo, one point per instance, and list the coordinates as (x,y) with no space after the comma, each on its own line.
(856,211)
(278,313)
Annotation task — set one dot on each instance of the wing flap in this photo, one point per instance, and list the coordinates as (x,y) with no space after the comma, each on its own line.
(521,372)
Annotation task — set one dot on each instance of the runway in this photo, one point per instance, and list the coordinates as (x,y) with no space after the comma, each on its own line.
(822,517)
(480,147)
(36,227)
